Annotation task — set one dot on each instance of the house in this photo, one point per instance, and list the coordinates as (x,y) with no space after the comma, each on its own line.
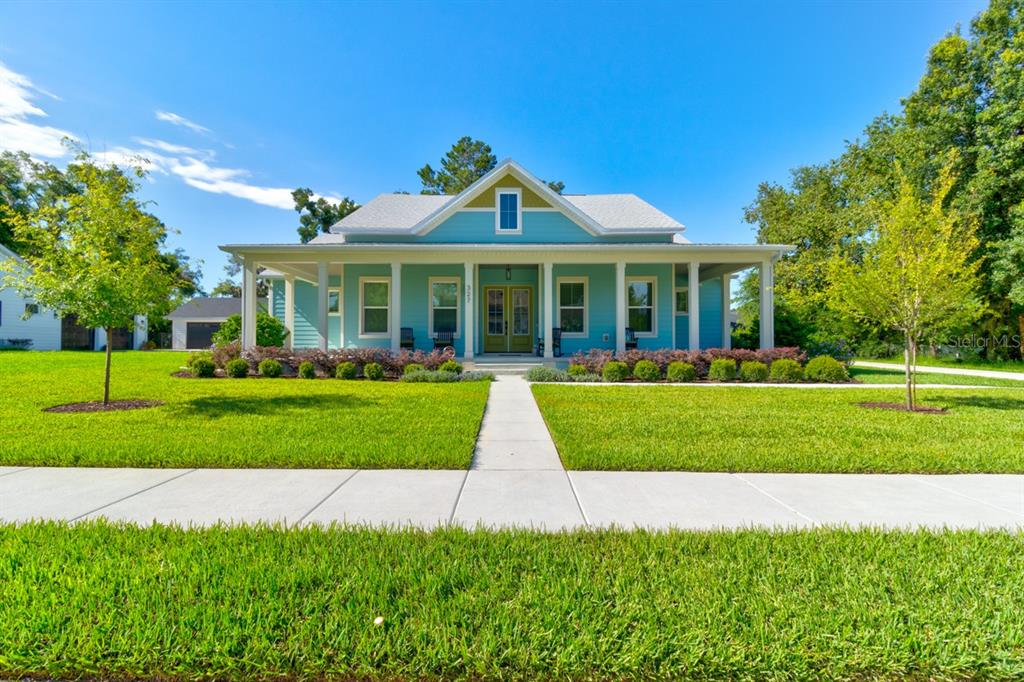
(507,266)
(194,322)
(23,323)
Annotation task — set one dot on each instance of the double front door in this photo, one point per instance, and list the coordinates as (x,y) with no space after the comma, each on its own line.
(508,319)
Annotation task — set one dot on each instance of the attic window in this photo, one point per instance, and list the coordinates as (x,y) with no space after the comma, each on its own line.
(509,211)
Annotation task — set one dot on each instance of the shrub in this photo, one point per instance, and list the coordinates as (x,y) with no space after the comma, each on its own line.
(786,371)
(373,371)
(722,369)
(577,370)
(203,367)
(476,375)
(450,366)
(585,378)
(345,370)
(646,370)
(754,372)
(826,369)
(270,331)
(237,369)
(270,368)
(225,353)
(424,376)
(197,356)
(615,371)
(681,372)
(307,370)
(545,375)
(412,367)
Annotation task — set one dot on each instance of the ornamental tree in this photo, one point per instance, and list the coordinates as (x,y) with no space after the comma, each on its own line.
(913,273)
(95,254)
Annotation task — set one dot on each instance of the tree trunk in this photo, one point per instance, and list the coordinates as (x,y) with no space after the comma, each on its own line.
(106,370)
(1020,325)
(906,371)
(913,375)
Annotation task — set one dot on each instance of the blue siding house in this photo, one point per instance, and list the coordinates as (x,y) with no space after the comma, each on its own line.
(506,267)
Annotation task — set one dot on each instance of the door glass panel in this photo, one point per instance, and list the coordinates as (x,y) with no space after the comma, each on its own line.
(496,312)
(520,311)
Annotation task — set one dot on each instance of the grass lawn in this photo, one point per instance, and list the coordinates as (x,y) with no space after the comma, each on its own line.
(871,375)
(782,429)
(101,602)
(287,423)
(995,365)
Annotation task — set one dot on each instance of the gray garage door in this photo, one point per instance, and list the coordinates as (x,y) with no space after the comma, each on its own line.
(200,334)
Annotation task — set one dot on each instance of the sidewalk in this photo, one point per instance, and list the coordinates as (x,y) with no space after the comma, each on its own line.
(927,369)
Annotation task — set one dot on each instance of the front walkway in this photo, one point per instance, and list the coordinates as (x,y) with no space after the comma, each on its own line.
(928,369)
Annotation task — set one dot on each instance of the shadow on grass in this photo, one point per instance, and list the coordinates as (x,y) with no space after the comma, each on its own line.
(228,406)
(983,401)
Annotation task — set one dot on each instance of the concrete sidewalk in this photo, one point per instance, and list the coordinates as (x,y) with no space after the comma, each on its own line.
(960,371)
(545,499)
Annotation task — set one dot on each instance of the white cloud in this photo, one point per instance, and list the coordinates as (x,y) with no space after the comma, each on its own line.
(175,119)
(17,109)
(172,148)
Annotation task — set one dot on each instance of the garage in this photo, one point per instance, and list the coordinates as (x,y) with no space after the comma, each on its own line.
(194,322)
(200,334)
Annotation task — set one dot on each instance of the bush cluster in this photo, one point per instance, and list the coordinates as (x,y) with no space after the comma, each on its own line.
(786,371)
(722,369)
(237,369)
(754,372)
(595,360)
(646,370)
(826,369)
(202,367)
(326,362)
(373,371)
(681,372)
(345,370)
(307,370)
(546,375)
(442,376)
(615,371)
(450,366)
(269,368)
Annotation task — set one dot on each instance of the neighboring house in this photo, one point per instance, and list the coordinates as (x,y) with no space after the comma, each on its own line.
(23,320)
(194,322)
(506,266)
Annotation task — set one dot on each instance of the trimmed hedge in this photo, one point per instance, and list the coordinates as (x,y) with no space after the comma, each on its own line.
(270,368)
(412,367)
(577,370)
(594,360)
(615,371)
(373,371)
(546,375)
(646,370)
(237,369)
(450,366)
(722,369)
(754,372)
(786,371)
(202,368)
(681,372)
(307,370)
(345,370)
(826,369)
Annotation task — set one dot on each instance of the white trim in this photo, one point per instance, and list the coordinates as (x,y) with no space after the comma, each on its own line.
(675,302)
(568,279)
(374,335)
(341,302)
(518,193)
(431,281)
(653,281)
(693,307)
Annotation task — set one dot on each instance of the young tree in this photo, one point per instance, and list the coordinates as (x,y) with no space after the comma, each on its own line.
(95,254)
(914,274)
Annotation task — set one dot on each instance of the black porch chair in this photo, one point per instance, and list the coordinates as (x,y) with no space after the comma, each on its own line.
(556,343)
(630,338)
(444,338)
(407,338)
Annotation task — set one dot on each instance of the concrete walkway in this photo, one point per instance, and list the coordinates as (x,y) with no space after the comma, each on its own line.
(962,371)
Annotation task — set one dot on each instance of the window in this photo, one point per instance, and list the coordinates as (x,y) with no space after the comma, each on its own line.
(31,309)
(508,215)
(374,307)
(334,301)
(444,305)
(682,300)
(572,306)
(640,305)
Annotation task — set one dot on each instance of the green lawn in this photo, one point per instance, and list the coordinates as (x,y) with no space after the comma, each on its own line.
(255,603)
(995,365)
(870,375)
(782,429)
(228,422)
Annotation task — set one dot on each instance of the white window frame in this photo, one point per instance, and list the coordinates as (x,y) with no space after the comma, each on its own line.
(654,304)
(498,191)
(682,290)
(431,281)
(585,281)
(341,301)
(363,334)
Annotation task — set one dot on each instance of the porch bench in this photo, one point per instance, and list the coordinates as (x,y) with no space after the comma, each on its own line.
(556,343)
(444,338)
(630,338)
(408,340)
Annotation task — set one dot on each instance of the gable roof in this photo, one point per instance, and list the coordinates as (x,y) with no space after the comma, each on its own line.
(207,306)
(598,214)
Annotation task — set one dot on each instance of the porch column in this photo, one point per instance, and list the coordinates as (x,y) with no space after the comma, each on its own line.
(469,314)
(620,306)
(726,310)
(322,282)
(341,305)
(693,303)
(248,302)
(549,309)
(396,307)
(767,320)
(289,308)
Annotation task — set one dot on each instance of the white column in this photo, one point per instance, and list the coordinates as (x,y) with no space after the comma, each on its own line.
(248,303)
(767,320)
(322,282)
(549,309)
(693,303)
(726,310)
(341,306)
(468,313)
(620,306)
(396,307)
(289,308)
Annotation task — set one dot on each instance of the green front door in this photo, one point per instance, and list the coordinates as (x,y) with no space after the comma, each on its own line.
(508,319)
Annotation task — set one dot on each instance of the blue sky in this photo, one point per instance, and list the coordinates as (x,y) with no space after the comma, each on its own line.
(689,106)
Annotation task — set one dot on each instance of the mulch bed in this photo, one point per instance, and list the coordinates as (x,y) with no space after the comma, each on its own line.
(98,406)
(901,407)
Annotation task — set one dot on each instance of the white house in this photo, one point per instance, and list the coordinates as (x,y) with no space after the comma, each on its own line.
(194,322)
(24,323)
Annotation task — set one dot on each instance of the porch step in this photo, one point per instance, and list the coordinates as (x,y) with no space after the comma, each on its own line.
(502,368)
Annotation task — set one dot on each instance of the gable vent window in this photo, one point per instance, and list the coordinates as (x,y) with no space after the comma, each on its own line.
(509,215)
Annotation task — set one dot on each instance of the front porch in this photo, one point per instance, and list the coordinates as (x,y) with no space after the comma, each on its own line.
(497,302)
